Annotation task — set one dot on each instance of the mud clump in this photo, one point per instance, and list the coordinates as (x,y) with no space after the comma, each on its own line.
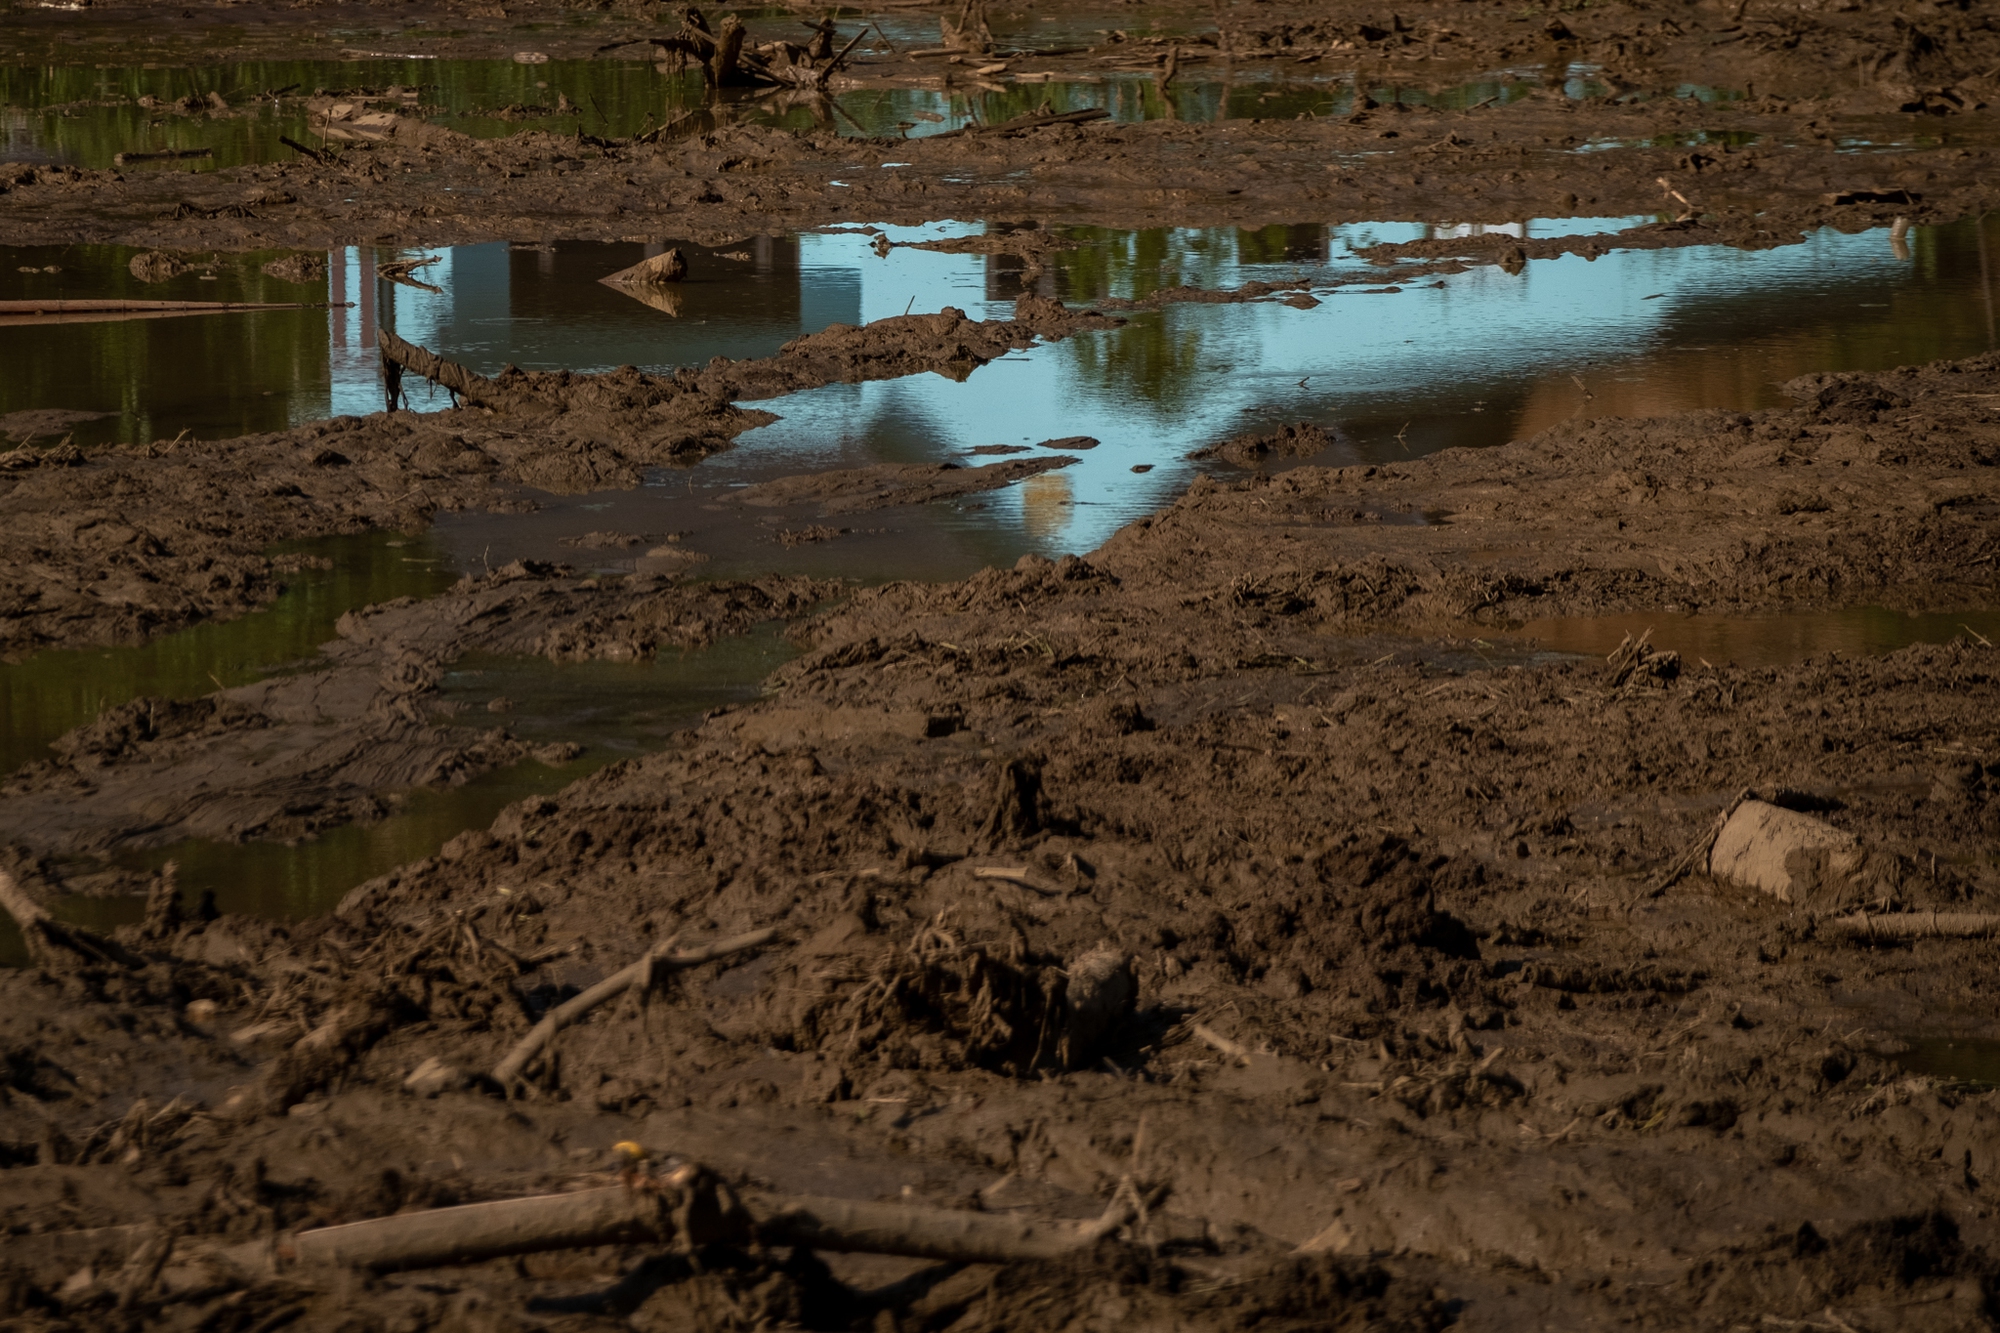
(157,266)
(1301,440)
(297,268)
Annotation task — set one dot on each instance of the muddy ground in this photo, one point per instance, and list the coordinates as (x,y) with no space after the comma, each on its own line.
(1438,1018)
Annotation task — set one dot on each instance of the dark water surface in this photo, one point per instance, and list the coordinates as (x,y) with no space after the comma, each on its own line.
(87,116)
(1973,1061)
(51,693)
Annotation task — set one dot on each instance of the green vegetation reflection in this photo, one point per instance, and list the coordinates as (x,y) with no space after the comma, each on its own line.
(51,693)
(616,710)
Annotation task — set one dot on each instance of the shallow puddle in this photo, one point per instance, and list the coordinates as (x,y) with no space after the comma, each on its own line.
(1974,1061)
(50,693)
(1761,640)
(615,710)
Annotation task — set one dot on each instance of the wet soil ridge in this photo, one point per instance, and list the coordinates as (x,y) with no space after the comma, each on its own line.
(336,744)
(1877,487)
(1760,170)
(116,544)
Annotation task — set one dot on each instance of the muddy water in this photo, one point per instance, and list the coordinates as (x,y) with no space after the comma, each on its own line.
(1973,1061)
(50,693)
(1469,360)
(86,117)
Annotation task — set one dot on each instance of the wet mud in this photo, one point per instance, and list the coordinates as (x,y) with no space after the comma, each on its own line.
(1280,874)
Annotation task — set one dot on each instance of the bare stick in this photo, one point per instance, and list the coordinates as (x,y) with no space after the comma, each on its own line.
(843,54)
(1012,876)
(611,1216)
(1917,925)
(640,974)
(1221,1043)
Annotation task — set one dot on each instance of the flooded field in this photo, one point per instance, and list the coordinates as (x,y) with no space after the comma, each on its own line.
(1392,370)
(1363,645)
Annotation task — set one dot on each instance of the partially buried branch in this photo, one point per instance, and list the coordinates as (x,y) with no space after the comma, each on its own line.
(641,974)
(1916,925)
(53,944)
(691,1206)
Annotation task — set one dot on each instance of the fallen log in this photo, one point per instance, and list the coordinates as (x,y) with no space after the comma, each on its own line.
(642,974)
(1916,925)
(468,385)
(691,1207)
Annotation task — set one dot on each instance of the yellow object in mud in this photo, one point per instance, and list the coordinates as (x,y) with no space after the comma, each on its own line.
(631,1151)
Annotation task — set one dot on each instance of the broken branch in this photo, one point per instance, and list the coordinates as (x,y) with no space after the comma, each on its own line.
(641,974)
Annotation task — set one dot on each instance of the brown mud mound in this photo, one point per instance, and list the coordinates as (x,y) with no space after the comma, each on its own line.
(1301,440)
(1878,486)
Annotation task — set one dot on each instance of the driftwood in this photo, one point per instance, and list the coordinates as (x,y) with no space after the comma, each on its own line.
(1020,878)
(1915,925)
(641,974)
(689,1207)
(316,154)
(726,62)
(471,387)
(54,944)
